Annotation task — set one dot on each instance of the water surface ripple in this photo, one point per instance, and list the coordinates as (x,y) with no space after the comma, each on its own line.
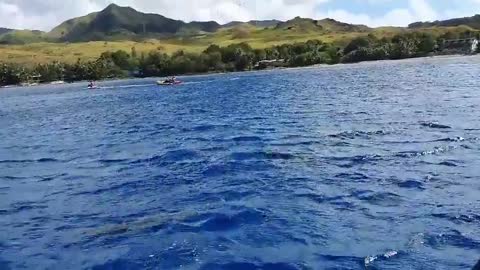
(371,166)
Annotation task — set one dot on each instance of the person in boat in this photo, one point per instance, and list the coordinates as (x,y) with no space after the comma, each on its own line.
(91,84)
(171,80)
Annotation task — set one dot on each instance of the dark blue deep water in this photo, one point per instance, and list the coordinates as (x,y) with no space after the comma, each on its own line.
(372,166)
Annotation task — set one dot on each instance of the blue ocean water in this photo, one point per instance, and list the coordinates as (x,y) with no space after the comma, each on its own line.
(366,166)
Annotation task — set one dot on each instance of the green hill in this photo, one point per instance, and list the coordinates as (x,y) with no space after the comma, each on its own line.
(473,22)
(299,24)
(326,25)
(11,36)
(5,30)
(255,23)
(72,27)
(115,22)
(124,28)
(125,23)
(336,26)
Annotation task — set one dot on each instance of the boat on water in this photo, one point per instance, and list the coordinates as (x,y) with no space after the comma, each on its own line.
(92,86)
(57,82)
(165,83)
(169,82)
(28,84)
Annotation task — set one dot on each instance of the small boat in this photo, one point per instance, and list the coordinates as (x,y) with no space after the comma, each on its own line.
(92,85)
(57,82)
(28,84)
(168,83)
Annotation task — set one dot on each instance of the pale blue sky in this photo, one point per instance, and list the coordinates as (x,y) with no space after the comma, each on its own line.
(44,14)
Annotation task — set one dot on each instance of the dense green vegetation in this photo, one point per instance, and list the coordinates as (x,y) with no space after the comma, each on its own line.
(121,28)
(408,45)
(234,57)
(116,23)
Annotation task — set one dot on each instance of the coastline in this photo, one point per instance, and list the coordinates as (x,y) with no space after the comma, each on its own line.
(450,56)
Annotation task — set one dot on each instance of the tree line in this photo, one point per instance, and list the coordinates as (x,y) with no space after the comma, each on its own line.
(401,46)
(235,57)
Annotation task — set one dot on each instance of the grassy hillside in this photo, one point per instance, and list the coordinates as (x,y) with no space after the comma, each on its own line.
(71,52)
(473,22)
(255,23)
(43,52)
(10,36)
(120,23)
(123,28)
(79,25)
(4,30)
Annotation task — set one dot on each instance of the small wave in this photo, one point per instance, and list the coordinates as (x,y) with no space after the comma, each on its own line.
(370,259)
(134,85)
(179,155)
(355,134)
(453,238)
(127,186)
(230,195)
(247,139)
(249,266)
(339,202)
(448,164)
(119,264)
(262,156)
(168,157)
(203,128)
(223,222)
(9,177)
(235,167)
(329,261)
(435,151)
(110,161)
(41,160)
(359,158)
(148,223)
(182,221)
(352,161)
(411,184)
(352,176)
(23,206)
(453,139)
(255,118)
(386,199)
(435,125)
(300,143)
(198,111)
(459,218)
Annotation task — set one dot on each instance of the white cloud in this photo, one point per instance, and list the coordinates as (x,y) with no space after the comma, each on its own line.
(422,10)
(418,10)
(45,14)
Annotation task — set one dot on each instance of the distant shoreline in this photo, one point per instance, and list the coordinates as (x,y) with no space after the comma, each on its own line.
(450,56)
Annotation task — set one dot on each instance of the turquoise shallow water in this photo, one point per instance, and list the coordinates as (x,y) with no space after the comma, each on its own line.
(371,166)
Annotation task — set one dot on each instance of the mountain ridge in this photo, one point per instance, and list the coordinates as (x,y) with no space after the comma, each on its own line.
(472,21)
(116,23)
(125,23)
